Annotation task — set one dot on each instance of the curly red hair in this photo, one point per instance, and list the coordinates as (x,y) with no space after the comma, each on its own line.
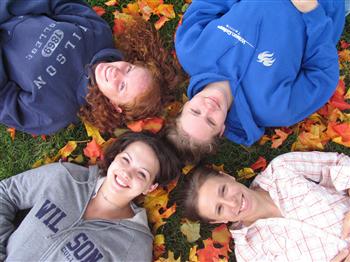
(140,45)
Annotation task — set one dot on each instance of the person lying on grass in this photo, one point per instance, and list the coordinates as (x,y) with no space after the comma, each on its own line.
(59,56)
(253,64)
(86,214)
(297,209)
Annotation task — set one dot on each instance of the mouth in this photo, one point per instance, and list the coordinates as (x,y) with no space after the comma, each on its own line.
(244,204)
(121,182)
(215,101)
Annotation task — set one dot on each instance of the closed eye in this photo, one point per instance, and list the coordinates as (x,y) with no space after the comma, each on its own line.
(125,159)
(130,67)
(122,86)
(195,112)
(142,175)
(211,122)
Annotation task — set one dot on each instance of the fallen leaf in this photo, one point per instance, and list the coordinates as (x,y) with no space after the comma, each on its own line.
(93,151)
(246,173)
(259,164)
(158,245)
(193,254)
(12,132)
(99,10)
(94,133)
(190,230)
(67,149)
(111,2)
(210,253)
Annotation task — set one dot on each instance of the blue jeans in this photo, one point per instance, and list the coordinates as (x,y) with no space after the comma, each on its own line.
(347,7)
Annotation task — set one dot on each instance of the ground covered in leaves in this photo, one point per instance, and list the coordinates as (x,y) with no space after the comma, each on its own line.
(177,239)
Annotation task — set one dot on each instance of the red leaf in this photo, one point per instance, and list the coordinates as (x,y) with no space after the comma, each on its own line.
(99,10)
(12,132)
(93,151)
(259,164)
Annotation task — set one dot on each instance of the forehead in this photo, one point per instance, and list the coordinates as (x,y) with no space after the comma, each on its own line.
(143,156)
(195,126)
(139,78)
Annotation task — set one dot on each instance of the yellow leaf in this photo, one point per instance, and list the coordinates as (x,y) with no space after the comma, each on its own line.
(111,2)
(193,254)
(190,230)
(246,173)
(159,239)
(187,169)
(170,258)
(67,149)
(166,10)
(94,133)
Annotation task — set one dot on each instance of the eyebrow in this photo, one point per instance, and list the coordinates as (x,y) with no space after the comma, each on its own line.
(145,169)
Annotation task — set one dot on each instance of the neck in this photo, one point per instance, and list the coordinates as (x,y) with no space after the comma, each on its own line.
(268,208)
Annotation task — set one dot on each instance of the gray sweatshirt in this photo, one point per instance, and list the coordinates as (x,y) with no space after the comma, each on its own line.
(54,229)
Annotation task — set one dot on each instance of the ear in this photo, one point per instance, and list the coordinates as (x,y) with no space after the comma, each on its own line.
(222,130)
(151,188)
(119,110)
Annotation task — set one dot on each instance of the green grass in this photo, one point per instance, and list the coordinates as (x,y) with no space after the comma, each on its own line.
(19,155)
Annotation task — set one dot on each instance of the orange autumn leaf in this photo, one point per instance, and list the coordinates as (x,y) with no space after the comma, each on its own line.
(160,23)
(344,44)
(344,55)
(259,164)
(145,10)
(153,4)
(166,10)
(222,235)
(93,151)
(111,2)
(67,149)
(173,108)
(279,138)
(264,139)
(210,253)
(131,9)
(338,98)
(12,132)
(150,124)
(121,22)
(99,10)
(186,169)
(343,130)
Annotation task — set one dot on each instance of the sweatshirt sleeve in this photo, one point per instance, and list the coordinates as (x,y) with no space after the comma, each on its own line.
(21,192)
(325,168)
(13,8)
(194,25)
(319,72)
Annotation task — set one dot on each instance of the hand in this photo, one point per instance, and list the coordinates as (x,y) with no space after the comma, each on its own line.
(346,226)
(343,256)
(305,6)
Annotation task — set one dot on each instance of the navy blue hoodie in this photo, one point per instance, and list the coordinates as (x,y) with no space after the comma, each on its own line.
(282,65)
(47,48)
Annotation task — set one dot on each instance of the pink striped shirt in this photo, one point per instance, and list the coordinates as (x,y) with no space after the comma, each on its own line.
(310,189)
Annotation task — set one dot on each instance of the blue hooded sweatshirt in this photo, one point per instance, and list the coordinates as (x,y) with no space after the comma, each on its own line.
(282,65)
(46,50)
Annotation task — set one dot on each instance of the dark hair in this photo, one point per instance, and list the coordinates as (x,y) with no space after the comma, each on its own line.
(189,150)
(187,198)
(168,161)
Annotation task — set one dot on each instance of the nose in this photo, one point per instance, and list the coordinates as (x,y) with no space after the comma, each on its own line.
(209,105)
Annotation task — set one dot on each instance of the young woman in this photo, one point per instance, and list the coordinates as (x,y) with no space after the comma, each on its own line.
(295,210)
(59,55)
(86,214)
(249,70)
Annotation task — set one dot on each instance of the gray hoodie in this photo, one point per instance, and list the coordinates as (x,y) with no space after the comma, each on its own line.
(54,229)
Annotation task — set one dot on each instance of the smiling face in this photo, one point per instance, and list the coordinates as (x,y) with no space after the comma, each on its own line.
(203,117)
(121,82)
(221,199)
(132,172)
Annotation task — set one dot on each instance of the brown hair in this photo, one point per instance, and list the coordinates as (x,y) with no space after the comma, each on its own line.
(190,150)
(142,46)
(168,161)
(187,199)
